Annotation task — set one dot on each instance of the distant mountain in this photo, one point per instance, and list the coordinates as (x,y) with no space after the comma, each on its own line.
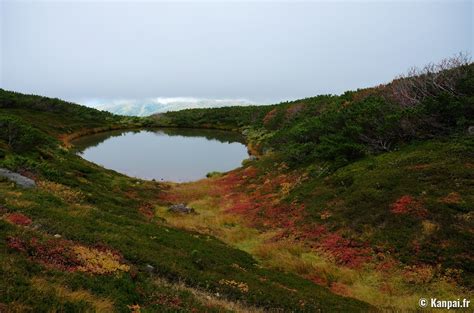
(151,106)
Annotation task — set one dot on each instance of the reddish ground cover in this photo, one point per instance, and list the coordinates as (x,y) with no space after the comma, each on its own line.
(408,205)
(18,219)
(52,252)
(66,255)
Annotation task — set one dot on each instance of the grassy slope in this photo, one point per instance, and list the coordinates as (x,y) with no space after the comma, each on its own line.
(386,227)
(109,217)
(347,237)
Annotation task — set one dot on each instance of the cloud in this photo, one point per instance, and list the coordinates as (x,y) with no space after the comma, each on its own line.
(145,107)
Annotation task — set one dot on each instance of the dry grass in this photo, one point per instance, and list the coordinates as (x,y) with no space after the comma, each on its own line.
(209,220)
(389,290)
(99,304)
(205,197)
(210,299)
(67,194)
(98,262)
(14,199)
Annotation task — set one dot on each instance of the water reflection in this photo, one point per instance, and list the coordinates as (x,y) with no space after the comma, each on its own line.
(165,154)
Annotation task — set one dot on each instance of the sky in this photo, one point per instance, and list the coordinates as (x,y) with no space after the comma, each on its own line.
(256,51)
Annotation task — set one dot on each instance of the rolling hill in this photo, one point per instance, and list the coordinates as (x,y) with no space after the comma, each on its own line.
(353,203)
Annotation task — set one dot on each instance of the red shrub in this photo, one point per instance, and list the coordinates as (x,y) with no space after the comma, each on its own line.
(452,198)
(241,207)
(51,252)
(314,232)
(147,210)
(318,280)
(270,116)
(16,244)
(346,252)
(402,205)
(386,266)
(407,205)
(250,172)
(340,289)
(18,219)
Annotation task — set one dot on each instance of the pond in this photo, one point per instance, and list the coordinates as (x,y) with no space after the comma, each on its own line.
(178,155)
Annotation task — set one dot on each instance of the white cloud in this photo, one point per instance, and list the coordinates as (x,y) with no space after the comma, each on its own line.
(145,107)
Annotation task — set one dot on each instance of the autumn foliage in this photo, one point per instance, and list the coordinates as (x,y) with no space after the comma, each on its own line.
(68,256)
(408,205)
(18,219)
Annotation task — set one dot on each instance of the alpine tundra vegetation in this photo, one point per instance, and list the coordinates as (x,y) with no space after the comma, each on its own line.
(352,203)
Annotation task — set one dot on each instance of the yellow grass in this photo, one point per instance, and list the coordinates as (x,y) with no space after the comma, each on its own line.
(19,203)
(67,194)
(392,290)
(99,304)
(212,300)
(98,262)
(14,199)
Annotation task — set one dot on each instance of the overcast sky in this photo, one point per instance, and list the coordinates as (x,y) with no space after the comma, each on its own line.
(261,51)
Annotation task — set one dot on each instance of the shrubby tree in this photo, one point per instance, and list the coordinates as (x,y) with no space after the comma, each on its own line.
(433,79)
(19,136)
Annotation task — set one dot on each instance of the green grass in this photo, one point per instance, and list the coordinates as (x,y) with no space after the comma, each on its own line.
(92,206)
(396,180)
(428,172)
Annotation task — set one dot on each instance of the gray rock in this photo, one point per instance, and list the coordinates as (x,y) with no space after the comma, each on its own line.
(470,130)
(20,180)
(181,208)
(36,226)
(149,268)
(57,236)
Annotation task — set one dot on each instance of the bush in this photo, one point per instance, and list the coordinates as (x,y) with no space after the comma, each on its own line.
(19,136)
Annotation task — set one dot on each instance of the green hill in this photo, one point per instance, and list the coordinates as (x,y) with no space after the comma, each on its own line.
(85,239)
(356,201)
(378,181)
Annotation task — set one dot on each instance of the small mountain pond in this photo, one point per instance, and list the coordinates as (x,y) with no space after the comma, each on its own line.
(178,155)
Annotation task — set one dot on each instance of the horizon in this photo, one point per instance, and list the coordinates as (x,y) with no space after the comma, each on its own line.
(102,53)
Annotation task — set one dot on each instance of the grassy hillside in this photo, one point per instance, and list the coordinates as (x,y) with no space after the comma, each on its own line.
(355,202)
(341,129)
(88,239)
(374,187)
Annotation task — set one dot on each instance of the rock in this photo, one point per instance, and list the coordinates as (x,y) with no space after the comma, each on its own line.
(57,236)
(20,180)
(252,158)
(181,208)
(470,130)
(149,268)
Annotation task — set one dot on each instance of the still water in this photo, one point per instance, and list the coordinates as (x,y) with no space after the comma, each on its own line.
(178,155)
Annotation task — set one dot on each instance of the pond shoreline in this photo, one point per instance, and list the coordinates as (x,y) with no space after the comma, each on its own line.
(163,153)
(68,138)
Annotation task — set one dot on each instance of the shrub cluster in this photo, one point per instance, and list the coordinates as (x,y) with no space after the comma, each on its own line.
(434,101)
(19,136)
